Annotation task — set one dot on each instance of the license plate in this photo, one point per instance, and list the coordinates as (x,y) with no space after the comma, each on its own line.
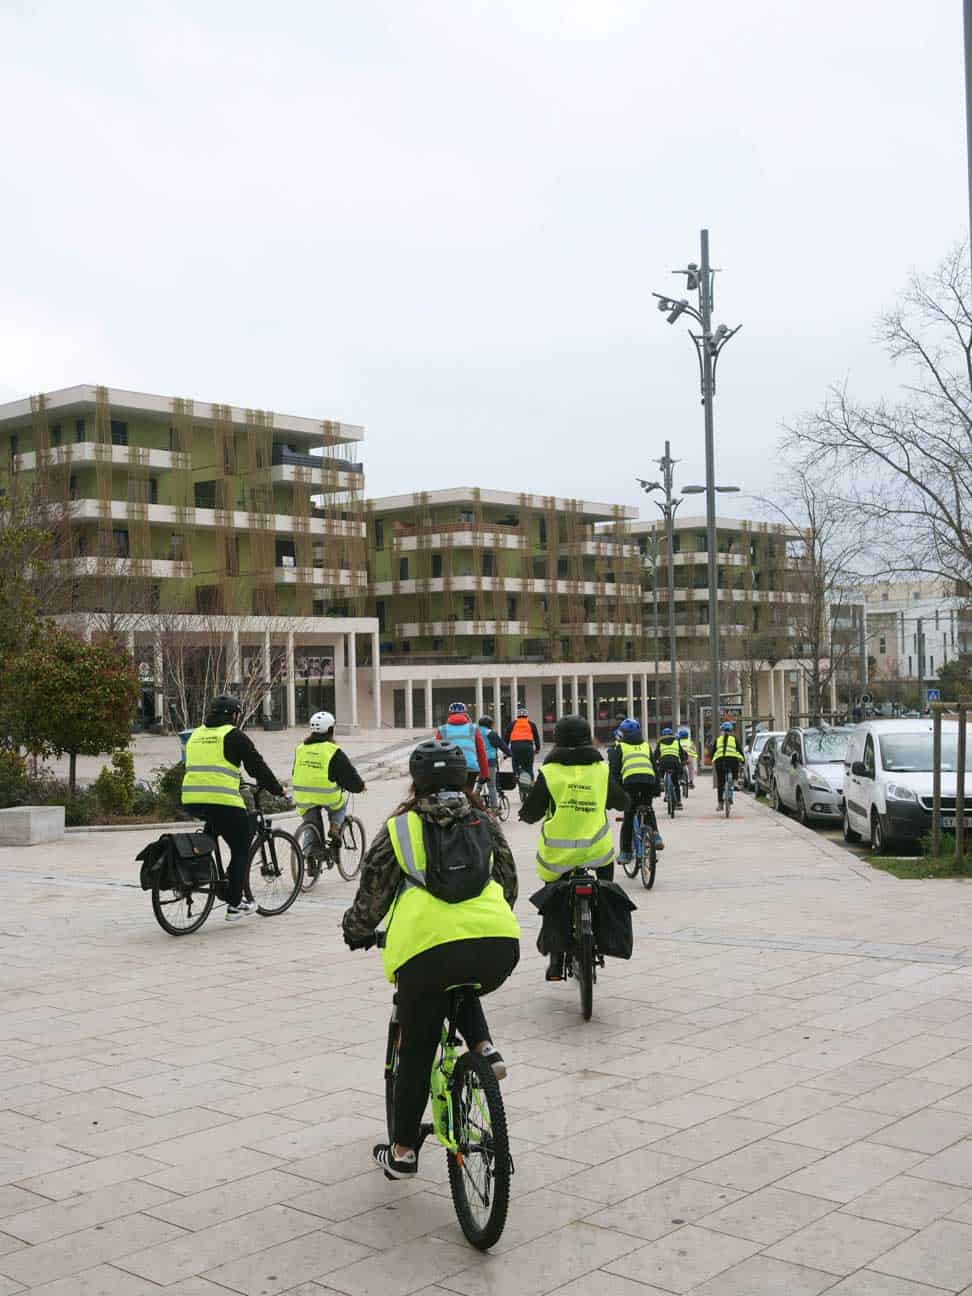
(948,821)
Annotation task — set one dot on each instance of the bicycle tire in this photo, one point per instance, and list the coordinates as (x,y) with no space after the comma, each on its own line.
(473,1075)
(504,807)
(283,868)
(632,865)
(670,801)
(651,860)
(159,904)
(583,957)
(727,800)
(391,1076)
(352,852)
(308,839)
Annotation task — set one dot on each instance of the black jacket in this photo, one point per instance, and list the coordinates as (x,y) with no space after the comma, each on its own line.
(539,801)
(340,770)
(239,749)
(536,734)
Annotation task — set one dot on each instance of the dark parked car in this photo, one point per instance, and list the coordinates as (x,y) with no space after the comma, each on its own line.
(763,773)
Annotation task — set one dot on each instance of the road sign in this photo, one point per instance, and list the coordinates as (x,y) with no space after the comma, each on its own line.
(933,695)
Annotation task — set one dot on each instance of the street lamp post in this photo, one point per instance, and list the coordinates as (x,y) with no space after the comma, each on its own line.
(668,510)
(651,543)
(708,346)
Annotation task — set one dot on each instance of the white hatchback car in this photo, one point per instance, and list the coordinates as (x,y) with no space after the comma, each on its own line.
(756,745)
(888,781)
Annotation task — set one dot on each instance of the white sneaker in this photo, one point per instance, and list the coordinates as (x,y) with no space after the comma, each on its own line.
(245,909)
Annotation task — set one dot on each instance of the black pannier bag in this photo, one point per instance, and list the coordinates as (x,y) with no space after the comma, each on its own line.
(458,858)
(612,918)
(506,780)
(177,859)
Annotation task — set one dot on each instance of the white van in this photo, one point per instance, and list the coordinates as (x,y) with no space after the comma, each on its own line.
(888,781)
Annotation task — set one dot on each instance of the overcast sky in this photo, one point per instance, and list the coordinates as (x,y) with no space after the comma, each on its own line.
(444,218)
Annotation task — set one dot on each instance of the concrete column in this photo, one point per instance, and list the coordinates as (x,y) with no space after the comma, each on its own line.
(291,683)
(833,695)
(644,702)
(233,671)
(771,698)
(630,694)
(514,696)
(409,706)
(574,695)
(158,670)
(591,712)
(430,722)
(352,651)
(784,688)
(498,704)
(267,697)
(480,705)
(558,698)
(804,700)
(376,675)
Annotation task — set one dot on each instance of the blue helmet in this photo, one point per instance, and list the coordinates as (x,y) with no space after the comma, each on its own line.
(727,726)
(627,728)
(457,708)
(667,731)
(683,732)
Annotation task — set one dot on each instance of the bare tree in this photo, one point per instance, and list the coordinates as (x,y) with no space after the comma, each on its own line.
(906,466)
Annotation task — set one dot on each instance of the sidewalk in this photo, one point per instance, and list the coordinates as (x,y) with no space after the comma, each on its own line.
(774,1095)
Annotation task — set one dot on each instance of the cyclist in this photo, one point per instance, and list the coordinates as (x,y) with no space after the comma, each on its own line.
(211,788)
(726,757)
(432,945)
(688,746)
(572,795)
(494,744)
(322,777)
(669,756)
(524,742)
(629,763)
(459,729)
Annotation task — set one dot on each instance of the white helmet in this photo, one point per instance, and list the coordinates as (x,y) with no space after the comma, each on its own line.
(321,722)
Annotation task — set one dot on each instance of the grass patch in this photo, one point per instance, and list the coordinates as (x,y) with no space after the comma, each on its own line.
(927,865)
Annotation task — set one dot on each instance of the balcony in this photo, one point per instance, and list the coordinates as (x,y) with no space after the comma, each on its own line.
(90,510)
(281,455)
(80,454)
(331,577)
(319,472)
(153,568)
(503,584)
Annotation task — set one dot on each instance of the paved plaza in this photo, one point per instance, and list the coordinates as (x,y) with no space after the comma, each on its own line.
(774,1095)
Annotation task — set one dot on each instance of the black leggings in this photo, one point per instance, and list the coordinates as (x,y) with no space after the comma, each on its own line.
(423,1002)
(235,826)
(522,755)
(725,765)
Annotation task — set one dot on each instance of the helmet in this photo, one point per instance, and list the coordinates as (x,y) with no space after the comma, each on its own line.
(572,731)
(522,711)
(628,728)
(487,721)
(667,731)
(457,708)
(682,732)
(321,722)
(727,726)
(435,765)
(225,704)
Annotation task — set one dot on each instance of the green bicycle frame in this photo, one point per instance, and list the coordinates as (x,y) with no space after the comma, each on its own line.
(440,1089)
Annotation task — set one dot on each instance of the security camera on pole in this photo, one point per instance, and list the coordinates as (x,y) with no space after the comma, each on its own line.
(708,346)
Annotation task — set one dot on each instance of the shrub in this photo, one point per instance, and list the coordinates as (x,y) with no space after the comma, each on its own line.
(114,789)
(13,778)
(168,789)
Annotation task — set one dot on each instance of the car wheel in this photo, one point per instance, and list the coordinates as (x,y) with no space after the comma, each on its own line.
(879,844)
(777,799)
(850,836)
(801,809)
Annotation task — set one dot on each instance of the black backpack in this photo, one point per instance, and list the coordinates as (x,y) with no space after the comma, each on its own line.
(458,858)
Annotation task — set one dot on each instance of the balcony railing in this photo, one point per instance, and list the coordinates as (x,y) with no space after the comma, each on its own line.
(283,455)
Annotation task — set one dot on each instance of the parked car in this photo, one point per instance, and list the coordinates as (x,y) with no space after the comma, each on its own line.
(763,773)
(888,781)
(753,750)
(808,776)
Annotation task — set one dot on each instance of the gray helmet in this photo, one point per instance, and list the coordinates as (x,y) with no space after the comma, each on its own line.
(225,704)
(437,765)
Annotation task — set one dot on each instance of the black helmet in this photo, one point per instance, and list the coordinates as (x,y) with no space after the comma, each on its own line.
(572,731)
(435,765)
(225,704)
(487,721)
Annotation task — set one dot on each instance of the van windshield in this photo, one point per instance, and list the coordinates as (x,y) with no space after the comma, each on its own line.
(911,753)
(825,748)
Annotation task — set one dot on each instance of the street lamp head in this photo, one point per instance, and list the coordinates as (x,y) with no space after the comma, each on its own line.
(693,490)
(678,308)
(727,490)
(647,485)
(665,304)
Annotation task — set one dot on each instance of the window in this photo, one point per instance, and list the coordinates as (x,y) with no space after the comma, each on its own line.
(119,542)
(173,438)
(438,643)
(285,553)
(676,543)
(468,607)
(884,596)
(882,645)
(380,613)
(175,547)
(229,454)
(488,564)
(869,755)
(489,646)
(436,564)
(931,665)
(543,533)
(909,664)
(561,568)
(143,490)
(379,533)
(14,444)
(539,568)
(511,606)
(73,486)
(205,494)
(208,599)
(467,516)
(55,434)
(403,569)
(119,432)
(701,542)
(79,429)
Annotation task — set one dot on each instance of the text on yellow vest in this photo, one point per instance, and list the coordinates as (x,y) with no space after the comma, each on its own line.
(575,833)
(311,778)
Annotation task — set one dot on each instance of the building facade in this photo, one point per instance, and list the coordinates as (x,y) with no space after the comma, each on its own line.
(914,628)
(179,521)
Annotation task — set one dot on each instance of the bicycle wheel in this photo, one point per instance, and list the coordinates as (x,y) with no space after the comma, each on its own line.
(309,841)
(479,1172)
(180,913)
(391,1076)
(504,807)
(649,859)
(670,799)
(583,957)
(632,865)
(276,872)
(352,848)
(727,798)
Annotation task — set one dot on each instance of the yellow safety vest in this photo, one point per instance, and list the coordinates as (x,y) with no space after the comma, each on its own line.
(311,780)
(419,921)
(670,747)
(575,833)
(725,745)
(210,779)
(688,746)
(635,760)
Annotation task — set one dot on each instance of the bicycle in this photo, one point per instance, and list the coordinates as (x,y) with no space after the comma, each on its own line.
(671,795)
(728,792)
(468,1119)
(318,847)
(684,780)
(272,883)
(502,808)
(644,858)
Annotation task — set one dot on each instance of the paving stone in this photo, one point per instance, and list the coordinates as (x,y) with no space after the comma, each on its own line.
(768,1215)
(663,1209)
(682,1260)
(940,1255)
(762,1276)
(839,1243)
(910,1202)
(851,1172)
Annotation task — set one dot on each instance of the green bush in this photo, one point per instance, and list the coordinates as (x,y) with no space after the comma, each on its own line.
(146,801)
(13,778)
(80,810)
(114,789)
(168,789)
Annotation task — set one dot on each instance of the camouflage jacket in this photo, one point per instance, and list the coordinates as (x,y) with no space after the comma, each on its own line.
(381,874)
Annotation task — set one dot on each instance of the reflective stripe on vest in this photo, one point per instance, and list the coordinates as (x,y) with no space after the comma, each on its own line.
(723,748)
(464,737)
(689,748)
(418,921)
(670,748)
(522,731)
(576,833)
(210,779)
(635,760)
(311,781)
